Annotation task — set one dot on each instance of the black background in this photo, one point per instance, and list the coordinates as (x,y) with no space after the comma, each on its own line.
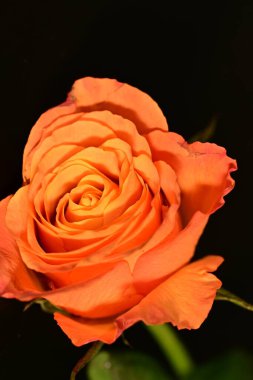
(195,59)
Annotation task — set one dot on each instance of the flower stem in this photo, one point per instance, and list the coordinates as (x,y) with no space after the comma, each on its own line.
(89,355)
(172,348)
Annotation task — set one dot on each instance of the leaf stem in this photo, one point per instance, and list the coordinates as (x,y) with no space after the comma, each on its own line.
(225,295)
(172,348)
(89,355)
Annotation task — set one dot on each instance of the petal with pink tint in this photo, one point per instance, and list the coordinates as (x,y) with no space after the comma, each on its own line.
(17,213)
(82,331)
(184,299)
(108,94)
(15,276)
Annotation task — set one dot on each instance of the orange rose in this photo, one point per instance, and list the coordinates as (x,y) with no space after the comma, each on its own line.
(110,213)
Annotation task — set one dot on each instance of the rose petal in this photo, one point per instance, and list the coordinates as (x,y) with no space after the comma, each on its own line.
(15,277)
(124,129)
(101,297)
(82,331)
(139,229)
(17,212)
(66,276)
(203,171)
(119,98)
(36,133)
(145,167)
(88,129)
(184,299)
(168,182)
(73,170)
(171,224)
(81,133)
(174,250)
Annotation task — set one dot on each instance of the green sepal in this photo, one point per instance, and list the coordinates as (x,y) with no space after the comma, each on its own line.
(225,295)
(46,306)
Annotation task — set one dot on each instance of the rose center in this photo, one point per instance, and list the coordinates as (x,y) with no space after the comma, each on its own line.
(90,199)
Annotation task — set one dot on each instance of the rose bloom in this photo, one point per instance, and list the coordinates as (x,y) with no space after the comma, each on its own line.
(109,215)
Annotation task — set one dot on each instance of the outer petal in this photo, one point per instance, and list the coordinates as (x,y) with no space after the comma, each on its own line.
(184,299)
(82,331)
(17,212)
(37,132)
(203,171)
(110,293)
(15,277)
(119,98)
(160,261)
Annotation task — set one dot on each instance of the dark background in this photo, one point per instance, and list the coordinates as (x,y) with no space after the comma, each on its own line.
(195,59)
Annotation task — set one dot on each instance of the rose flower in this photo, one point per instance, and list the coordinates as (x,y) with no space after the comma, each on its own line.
(109,215)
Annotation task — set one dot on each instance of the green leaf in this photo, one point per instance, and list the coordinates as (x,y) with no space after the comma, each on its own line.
(206,133)
(235,365)
(130,365)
